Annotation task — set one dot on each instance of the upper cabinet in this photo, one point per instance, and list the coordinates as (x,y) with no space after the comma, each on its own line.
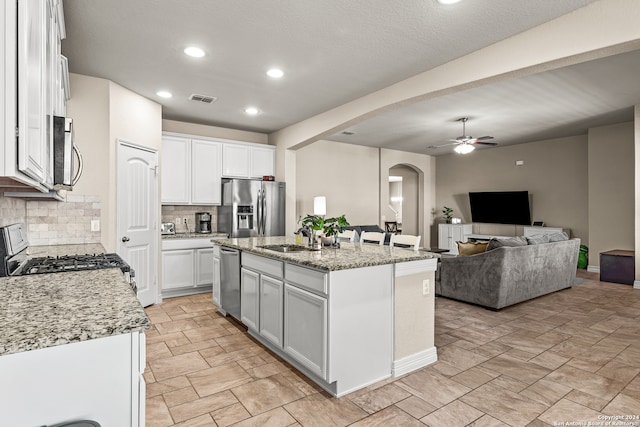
(33,77)
(247,160)
(190,171)
(193,167)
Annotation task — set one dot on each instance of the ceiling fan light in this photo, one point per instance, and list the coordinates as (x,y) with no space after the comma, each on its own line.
(464,148)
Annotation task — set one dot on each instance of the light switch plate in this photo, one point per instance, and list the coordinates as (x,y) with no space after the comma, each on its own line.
(95,225)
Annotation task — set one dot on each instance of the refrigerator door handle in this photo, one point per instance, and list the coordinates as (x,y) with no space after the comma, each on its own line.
(264,211)
(259,213)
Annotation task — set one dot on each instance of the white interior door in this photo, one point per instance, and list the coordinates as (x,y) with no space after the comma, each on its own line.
(138,216)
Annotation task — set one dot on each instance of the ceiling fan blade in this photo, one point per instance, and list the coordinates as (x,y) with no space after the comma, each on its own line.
(483,138)
(485,143)
(443,145)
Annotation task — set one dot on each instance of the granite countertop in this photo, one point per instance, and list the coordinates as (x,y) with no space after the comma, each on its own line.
(45,310)
(213,235)
(349,255)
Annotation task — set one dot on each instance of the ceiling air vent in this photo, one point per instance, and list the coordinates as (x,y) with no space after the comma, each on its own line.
(202,98)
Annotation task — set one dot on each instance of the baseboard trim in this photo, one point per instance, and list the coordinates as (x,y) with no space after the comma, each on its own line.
(413,362)
(593,269)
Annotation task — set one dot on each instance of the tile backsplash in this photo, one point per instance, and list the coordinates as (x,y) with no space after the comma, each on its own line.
(176,214)
(12,211)
(63,223)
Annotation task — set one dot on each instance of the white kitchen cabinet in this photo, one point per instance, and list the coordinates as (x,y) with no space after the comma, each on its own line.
(235,160)
(204,266)
(271,309)
(249,298)
(263,160)
(30,48)
(206,177)
(175,172)
(187,266)
(177,268)
(449,234)
(99,379)
(247,160)
(216,276)
(190,171)
(305,329)
(33,145)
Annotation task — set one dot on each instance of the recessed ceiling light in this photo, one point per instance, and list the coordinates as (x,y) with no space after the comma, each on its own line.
(448,1)
(275,73)
(252,111)
(195,52)
(164,94)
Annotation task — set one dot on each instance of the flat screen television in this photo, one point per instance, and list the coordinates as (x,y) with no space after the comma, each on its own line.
(500,207)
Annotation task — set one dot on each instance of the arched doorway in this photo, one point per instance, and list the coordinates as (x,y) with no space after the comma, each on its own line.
(404,200)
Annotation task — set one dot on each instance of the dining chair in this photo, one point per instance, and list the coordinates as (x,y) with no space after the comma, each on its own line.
(372,237)
(405,241)
(348,236)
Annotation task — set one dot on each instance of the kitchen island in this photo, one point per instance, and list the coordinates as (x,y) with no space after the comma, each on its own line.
(346,317)
(72,346)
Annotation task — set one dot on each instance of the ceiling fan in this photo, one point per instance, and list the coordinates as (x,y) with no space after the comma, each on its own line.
(465,143)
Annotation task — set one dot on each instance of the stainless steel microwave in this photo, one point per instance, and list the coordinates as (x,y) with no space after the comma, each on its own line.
(63,153)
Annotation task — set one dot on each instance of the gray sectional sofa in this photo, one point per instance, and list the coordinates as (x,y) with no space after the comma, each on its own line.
(508,275)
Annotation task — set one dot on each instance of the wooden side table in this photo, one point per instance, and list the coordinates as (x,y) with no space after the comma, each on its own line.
(618,266)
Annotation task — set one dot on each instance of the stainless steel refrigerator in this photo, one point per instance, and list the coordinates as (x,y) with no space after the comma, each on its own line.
(252,208)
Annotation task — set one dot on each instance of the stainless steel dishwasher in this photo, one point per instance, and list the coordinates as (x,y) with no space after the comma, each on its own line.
(230,281)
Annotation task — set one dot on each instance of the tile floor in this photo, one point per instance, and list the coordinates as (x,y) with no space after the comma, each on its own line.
(570,356)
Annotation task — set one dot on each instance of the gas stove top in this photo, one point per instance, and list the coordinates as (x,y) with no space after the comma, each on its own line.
(72,263)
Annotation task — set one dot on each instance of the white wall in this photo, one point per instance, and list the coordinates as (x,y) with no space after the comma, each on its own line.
(611,189)
(347,175)
(103,112)
(214,131)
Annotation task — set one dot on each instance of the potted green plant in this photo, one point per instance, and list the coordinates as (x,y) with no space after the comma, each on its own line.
(335,226)
(448,214)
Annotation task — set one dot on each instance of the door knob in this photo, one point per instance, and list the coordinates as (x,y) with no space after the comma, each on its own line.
(125,239)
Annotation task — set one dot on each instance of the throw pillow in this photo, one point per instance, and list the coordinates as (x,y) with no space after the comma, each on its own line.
(538,239)
(510,242)
(558,237)
(471,248)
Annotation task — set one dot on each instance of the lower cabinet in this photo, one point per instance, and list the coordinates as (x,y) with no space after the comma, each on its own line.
(249,289)
(99,379)
(216,275)
(305,328)
(271,309)
(187,266)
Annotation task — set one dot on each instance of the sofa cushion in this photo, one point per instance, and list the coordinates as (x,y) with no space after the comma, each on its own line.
(509,242)
(471,248)
(538,239)
(560,236)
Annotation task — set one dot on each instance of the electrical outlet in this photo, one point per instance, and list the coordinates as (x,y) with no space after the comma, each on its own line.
(95,225)
(425,287)
(178,221)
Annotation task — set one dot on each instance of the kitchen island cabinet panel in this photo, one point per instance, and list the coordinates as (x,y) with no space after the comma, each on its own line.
(305,329)
(271,309)
(249,298)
